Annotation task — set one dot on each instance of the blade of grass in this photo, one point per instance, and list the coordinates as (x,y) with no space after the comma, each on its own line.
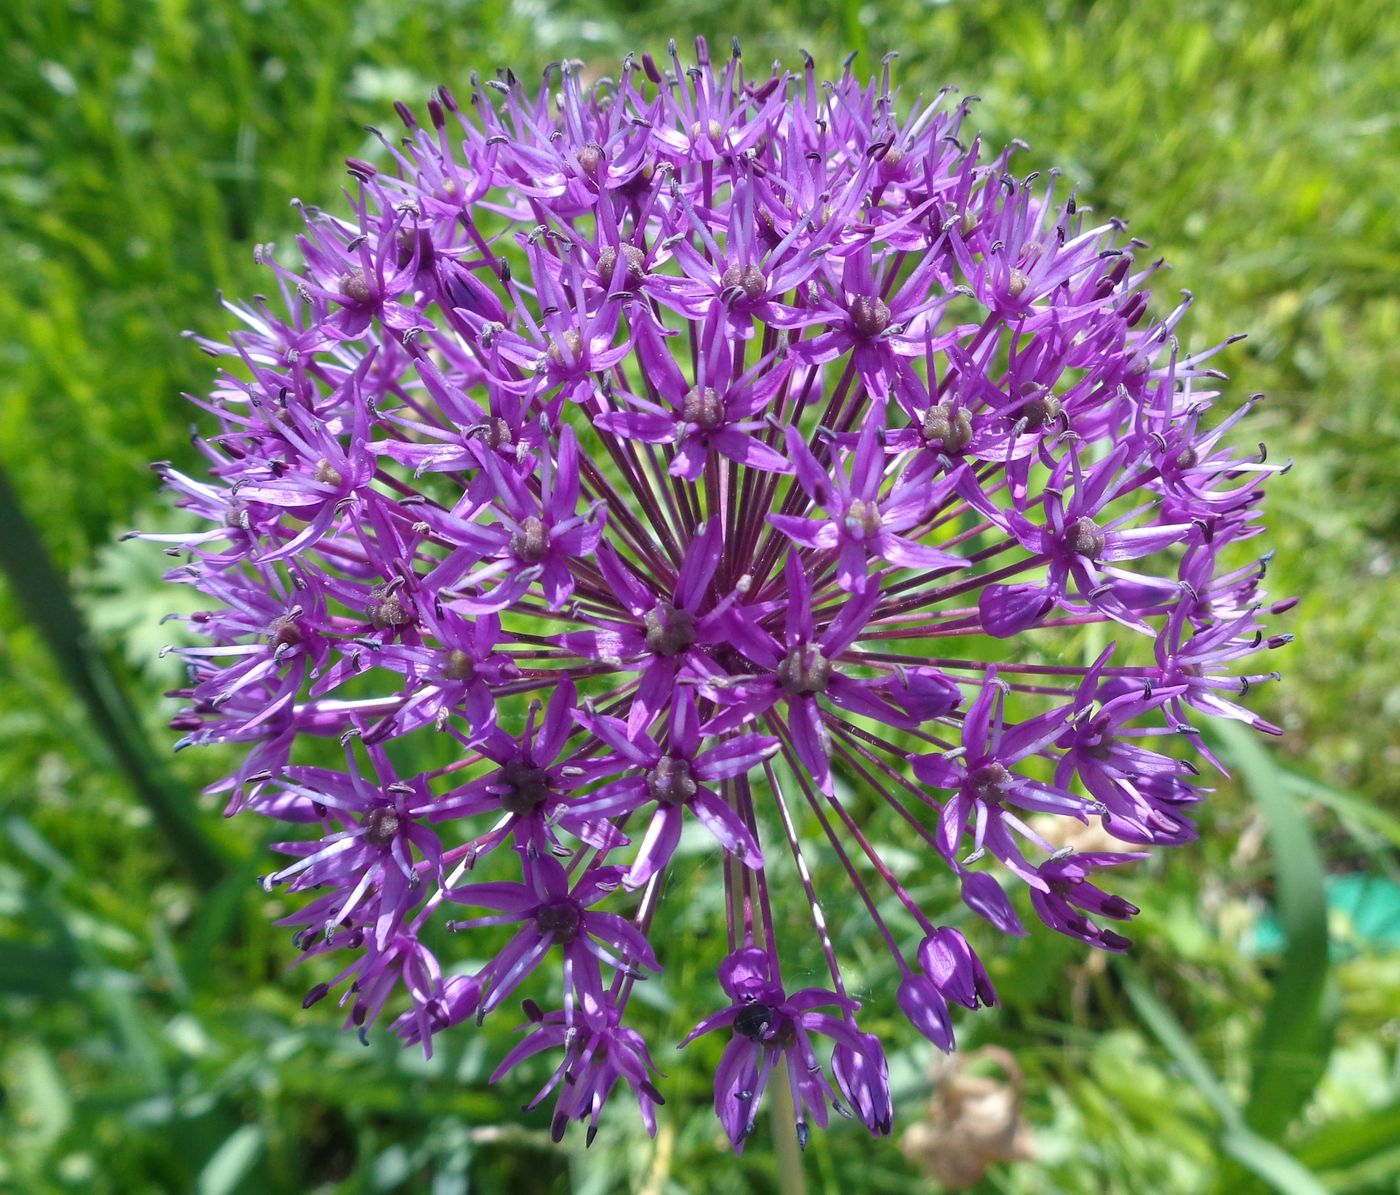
(1267,1161)
(1280,1169)
(1347,808)
(1291,1049)
(225,1172)
(1350,1143)
(44,596)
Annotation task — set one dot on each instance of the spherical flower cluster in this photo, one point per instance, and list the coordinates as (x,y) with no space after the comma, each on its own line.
(699,450)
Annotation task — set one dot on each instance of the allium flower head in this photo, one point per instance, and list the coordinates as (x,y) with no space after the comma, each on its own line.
(747,453)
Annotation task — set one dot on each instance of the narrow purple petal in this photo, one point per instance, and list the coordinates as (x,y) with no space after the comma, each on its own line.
(724,824)
(735,756)
(810,740)
(657,846)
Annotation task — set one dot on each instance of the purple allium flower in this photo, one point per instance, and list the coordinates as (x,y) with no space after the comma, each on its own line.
(707,450)
(594,1059)
(770,1030)
(553,913)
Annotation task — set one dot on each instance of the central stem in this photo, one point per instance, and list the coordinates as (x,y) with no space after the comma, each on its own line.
(786,1152)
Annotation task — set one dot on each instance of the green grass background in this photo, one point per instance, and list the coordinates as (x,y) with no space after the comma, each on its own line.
(151,1039)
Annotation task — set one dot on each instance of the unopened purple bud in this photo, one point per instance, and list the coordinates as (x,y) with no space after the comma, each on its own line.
(955,969)
(926,1009)
(864,1079)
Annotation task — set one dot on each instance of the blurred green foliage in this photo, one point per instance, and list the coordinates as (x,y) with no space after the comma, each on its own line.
(151,1038)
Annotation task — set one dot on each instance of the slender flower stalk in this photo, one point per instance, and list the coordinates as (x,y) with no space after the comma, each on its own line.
(742,452)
